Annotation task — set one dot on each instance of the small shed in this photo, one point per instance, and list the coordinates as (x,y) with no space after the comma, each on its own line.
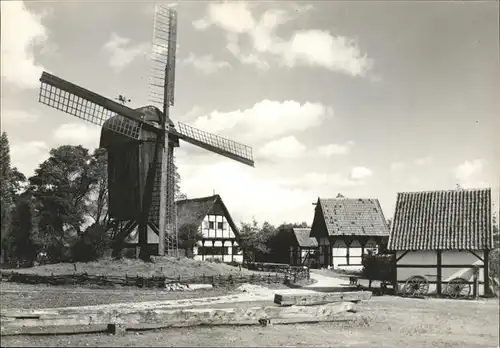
(304,248)
(442,236)
(346,228)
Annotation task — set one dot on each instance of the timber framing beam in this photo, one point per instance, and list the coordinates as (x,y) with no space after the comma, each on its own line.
(401,256)
(476,255)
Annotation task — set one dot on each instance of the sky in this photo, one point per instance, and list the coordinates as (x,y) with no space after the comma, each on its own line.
(365,99)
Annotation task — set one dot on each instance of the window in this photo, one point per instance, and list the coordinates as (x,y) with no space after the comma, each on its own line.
(211,225)
(220,225)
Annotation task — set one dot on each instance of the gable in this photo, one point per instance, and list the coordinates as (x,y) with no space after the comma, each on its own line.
(442,220)
(318,226)
(194,211)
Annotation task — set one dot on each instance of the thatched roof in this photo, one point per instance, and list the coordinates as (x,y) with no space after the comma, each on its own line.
(193,211)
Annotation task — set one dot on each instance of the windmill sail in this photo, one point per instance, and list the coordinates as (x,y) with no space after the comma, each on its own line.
(162,80)
(89,106)
(214,143)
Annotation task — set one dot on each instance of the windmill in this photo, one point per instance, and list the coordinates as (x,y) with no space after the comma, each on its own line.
(141,142)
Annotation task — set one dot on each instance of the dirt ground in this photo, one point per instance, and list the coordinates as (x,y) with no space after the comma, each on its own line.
(169,267)
(381,322)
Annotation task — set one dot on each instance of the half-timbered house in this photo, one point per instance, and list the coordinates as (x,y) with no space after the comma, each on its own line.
(346,228)
(212,219)
(441,239)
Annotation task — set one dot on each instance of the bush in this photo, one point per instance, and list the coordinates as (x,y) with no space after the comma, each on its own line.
(91,245)
(234,264)
(378,267)
(214,260)
(494,263)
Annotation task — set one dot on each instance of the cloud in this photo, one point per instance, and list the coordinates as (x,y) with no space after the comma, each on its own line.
(207,64)
(15,117)
(360,173)
(395,166)
(122,52)
(21,32)
(315,48)
(423,161)
(27,156)
(201,24)
(87,135)
(287,147)
(469,174)
(291,198)
(265,120)
(245,59)
(234,16)
(334,149)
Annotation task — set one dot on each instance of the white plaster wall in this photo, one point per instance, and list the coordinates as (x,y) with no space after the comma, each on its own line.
(417,258)
(216,232)
(448,273)
(461,258)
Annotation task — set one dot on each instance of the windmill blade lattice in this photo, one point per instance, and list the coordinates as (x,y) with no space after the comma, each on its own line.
(164,46)
(89,106)
(214,143)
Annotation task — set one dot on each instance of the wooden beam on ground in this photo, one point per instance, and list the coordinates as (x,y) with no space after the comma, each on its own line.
(133,306)
(186,317)
(321,298)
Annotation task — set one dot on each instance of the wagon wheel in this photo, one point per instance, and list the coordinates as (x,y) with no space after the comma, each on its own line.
(458,288)
(415,286)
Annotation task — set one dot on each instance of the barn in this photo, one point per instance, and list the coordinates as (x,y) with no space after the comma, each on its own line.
(346,228)
(441,240)
(211,217)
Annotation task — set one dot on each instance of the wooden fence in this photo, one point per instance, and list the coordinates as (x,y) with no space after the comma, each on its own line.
(154,281)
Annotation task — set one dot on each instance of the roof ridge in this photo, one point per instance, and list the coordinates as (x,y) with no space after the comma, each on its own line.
(449,190)
(347,198)
(198,199)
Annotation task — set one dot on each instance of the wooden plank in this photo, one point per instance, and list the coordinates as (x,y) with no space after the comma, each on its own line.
(187,317)
(321,298)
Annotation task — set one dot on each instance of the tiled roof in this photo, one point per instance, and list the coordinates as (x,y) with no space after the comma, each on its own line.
(354,216)
(303,239)
(442,220)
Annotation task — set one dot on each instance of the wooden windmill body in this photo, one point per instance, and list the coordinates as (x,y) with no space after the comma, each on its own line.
(141,143)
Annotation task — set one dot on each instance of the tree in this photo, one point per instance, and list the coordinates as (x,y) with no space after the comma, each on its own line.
(495,227)
(11,180)
(5,190)
(91,245)
(61,186)
(98,198)
(189,235)
(178,194)
(19,243)
(254,240)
